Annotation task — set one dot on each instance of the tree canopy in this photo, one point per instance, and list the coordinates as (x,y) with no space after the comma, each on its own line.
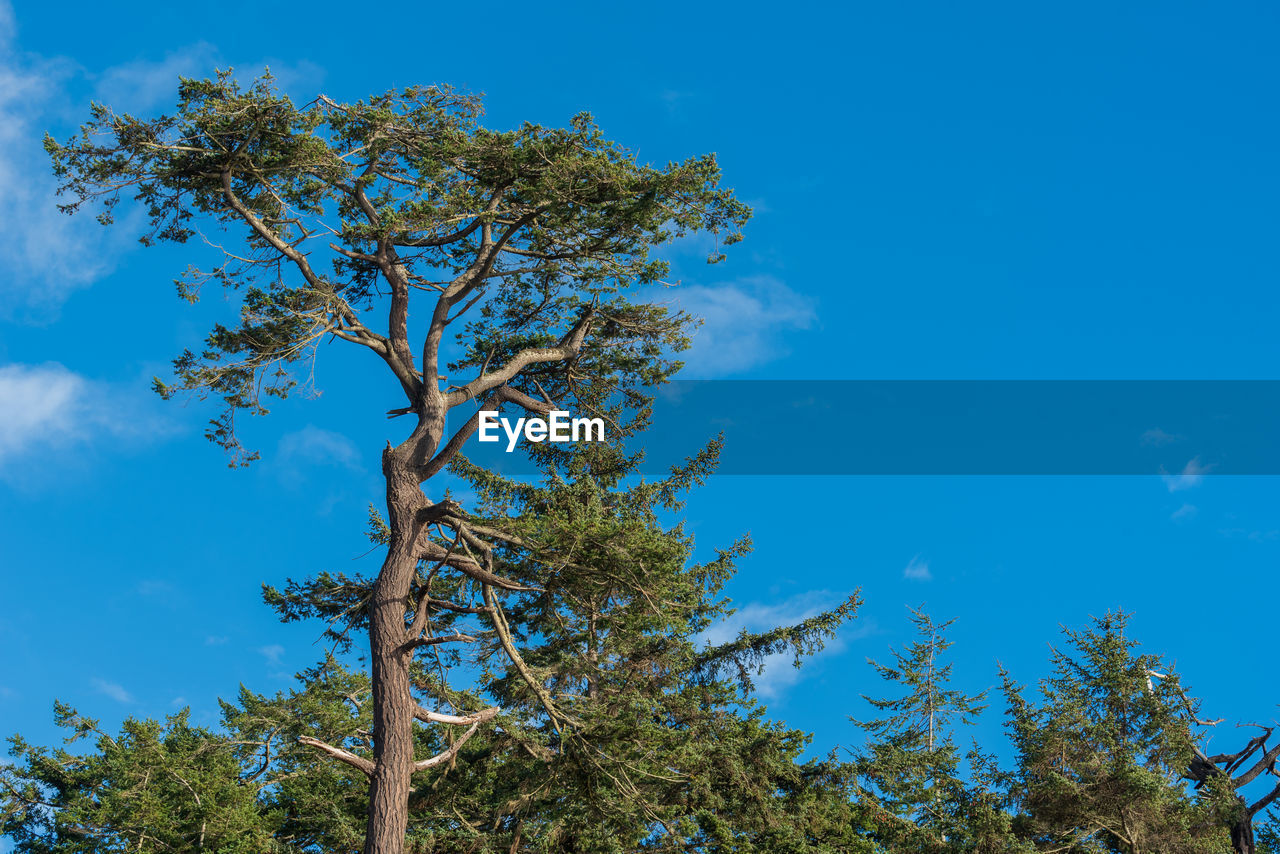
(523,245)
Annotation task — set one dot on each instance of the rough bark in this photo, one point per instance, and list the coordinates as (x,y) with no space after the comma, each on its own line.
(1242,831)
(394,708)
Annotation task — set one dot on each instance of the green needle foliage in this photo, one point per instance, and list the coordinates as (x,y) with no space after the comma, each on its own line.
(911,765)
(345,212)
(633,735)
(155,787)
(1103,755)
(621,730)
(636,735)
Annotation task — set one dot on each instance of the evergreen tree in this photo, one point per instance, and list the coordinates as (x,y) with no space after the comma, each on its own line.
(155,787)
(911,765)
(520,246)
(1103,755)
(620,730)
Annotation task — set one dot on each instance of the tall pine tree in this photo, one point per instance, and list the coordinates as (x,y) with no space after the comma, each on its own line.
(914,788)
(1102,756)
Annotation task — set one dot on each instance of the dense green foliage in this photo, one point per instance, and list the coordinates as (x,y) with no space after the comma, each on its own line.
(655,755)
(1103,756)
(911,764)
(621,730)
(347,213)
(645,738)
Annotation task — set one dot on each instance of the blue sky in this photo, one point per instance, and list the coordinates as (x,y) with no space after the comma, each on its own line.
(942,191)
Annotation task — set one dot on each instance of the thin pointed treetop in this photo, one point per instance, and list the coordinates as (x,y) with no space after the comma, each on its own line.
(1103,755)
(927,708)
(910,764)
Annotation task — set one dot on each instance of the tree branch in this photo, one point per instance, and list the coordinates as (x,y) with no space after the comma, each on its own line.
(569,345)
(446,755)
(357,762)
(500,395)
(455,720)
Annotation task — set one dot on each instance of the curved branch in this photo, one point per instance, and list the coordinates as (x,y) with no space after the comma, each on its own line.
(357,762)
(509,647)
(569,345)
(266,233)
(446,755)
(455,720)
(502,394)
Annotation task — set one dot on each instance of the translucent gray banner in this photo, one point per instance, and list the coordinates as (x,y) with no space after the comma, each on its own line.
(999,427)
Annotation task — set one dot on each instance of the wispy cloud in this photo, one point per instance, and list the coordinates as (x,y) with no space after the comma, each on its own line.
(273,653)
(917,570)
(779,672)
(37,405)
(745,323)
(317,446)
(216,640)
(46,255)
(1257,536)
(1192,474)
(142,85)
(47,405)
(1158,438)
(1185,513)
(301,452)
(113,690)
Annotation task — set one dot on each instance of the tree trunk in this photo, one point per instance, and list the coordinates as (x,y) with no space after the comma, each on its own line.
(393,701)
(1242,831)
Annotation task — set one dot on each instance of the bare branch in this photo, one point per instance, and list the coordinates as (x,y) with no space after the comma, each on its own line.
(358,762)
(456,637)
(455,720)
(568,346)
(499,396)
(267,233)
(509,647)
(446,755)
(469,566)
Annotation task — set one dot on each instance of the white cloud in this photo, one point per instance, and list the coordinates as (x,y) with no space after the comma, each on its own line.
(917,570)
(779,671)
(216,640)
(272,653)
(146,85)
(8,27)
(112,690)
(1192,473)
(47,255)
(1156,437)
(143,85)
(745,323)
(1184,513)
(37,404)
(314,445)
(50,406)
